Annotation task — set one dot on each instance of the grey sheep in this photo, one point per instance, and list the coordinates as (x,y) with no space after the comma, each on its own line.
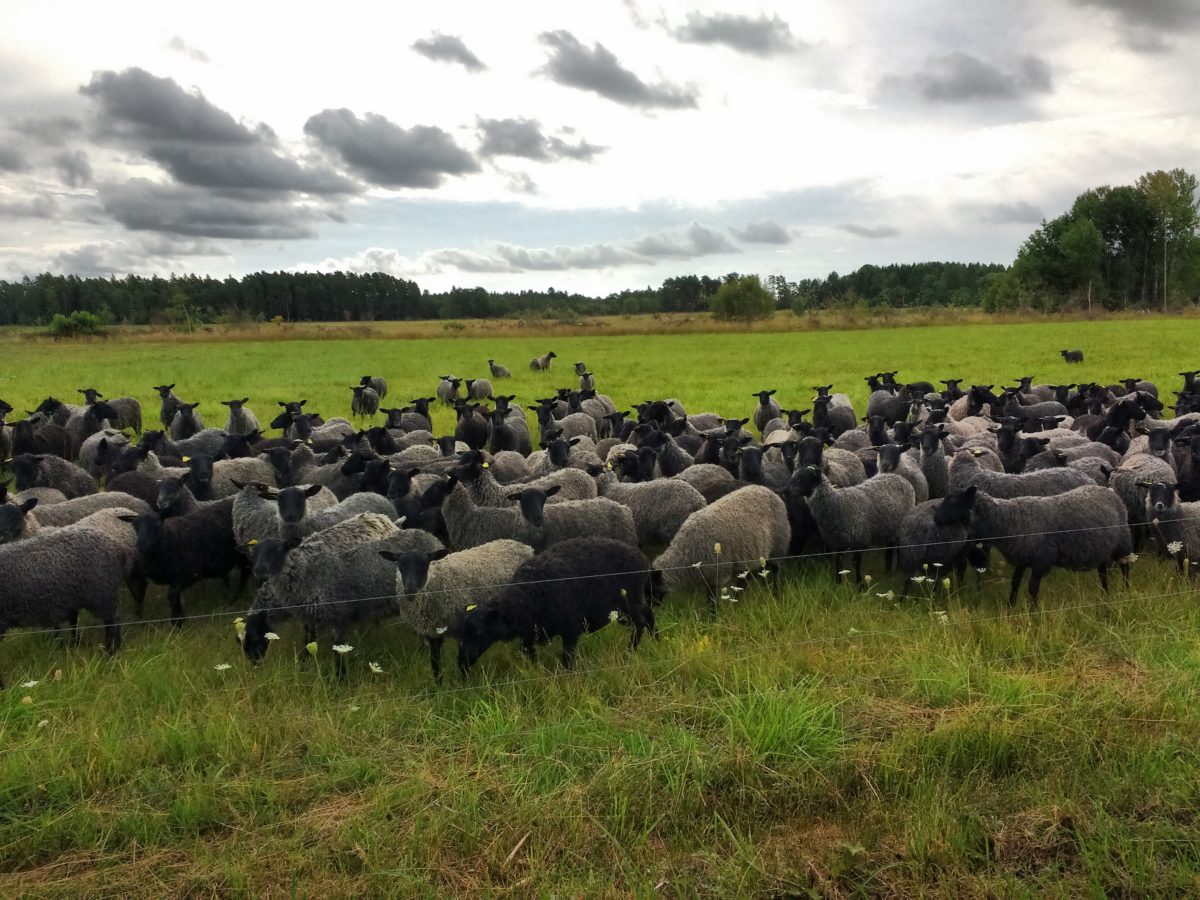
(256,517)
(542,363)
(893,460)
(207,442)
(766,410)
(50,578)
(474,473)
(1127,480)
(587,381)
(228,474)
(89,450)
(242,419)
(497,370)
(297,521)
(935,533)
(659,507)
(43,470)
(547,524)
(19,521)
(129,410)
(434,590)
(170,404)
(747,525)
(375,383)
(332,580)
(1085,528)
(931,457)
(447,389)
(479,389)
(1177,524)
(965,471)
(857,518)
(187,422)
(365,401)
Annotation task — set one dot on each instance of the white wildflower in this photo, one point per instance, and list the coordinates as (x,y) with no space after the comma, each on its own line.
(271,636)
(735,588)
(744,575)
(1175,547)
(937,565)
(982,570)
(30,683)
(918,579)
(886,595)
(1131,558)
(442,630)
(375,668)
(43,723)
(940,617)
(221,667)
(765,572)
(342,648)
(612,616)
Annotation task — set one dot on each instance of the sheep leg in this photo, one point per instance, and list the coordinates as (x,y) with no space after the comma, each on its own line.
(112,634)
(435,657)
(650,623)
(1018,574)
(244,566)
(73,628)
(137,589)
(527,646)
(568,650)
(858,567)
(837,565)
(175,599)
(889,555)
(1125,573)
(1102,571)
(1035,584)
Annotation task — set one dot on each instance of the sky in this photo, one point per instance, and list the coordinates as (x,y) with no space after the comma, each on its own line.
(591,147)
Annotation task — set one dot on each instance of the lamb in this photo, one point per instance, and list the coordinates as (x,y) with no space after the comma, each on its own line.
(375,383)
(1085,528)
(574,588)
(659,507)
(333,580)
(42,470)
(856,518)
(434,590)
(478,389)
(739,529)
(241,419)
(187,422)
(1176,523)
(965,470)
(497,370)
(935,533)
(542,363)
(365,401)
(48,579)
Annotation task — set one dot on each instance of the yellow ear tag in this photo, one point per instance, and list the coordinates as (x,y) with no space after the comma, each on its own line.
(487,465)
(187,459)
(309,441)
(472,606)
(253,542)
(609,465)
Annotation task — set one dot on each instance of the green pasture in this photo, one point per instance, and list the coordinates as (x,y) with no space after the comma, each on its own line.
(814,740)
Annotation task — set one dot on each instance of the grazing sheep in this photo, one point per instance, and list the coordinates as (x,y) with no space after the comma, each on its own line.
(375,383)
(333,580)
(42,470)
(747,525)
(1072,356)
(659,507)
(542,363)
(434,590)
(572,589)
(497,370)
(187,422)
(241,419)
(48,579)
(1085,528)
(856,518)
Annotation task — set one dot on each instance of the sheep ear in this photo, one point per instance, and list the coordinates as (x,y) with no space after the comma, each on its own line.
(575,440)
(440,553)
(390,555)
(29,504)
(552,490)
(127,517)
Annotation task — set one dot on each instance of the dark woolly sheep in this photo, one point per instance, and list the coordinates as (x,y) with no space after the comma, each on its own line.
(1072,356)
(49,438)
(935,533)
(365,401)
(1177,524)
(766,410)
(544,526)
(542,363)
(43,470)
(241,420)
(478,389)
(187,422)
(965,470)
(574,588)
(1086,528)
(375,383)
(170,404)
(497,370)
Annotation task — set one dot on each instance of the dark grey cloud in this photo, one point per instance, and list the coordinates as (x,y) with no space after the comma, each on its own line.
(73,167)
(873,232)
(198,143)
(11,158)
(448,48)
(136,104)
(764,232)
(1016,213)
(142,205)
(1146,26)
(524,138)
(104,258)
(179,45)
(598,70)
(49,130)
(760,35)
(38,206)
(959,78)
(385,154)
(696,240)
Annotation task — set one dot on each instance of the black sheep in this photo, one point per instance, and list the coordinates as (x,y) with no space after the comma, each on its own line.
(573,588)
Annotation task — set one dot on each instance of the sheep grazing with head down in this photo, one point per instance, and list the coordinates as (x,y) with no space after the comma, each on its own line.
(434,589)
(1177,524)
(574,588)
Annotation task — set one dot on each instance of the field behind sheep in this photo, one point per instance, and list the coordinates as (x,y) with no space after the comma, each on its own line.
(813,740)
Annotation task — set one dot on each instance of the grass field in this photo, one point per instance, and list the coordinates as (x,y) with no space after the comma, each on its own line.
(813,741)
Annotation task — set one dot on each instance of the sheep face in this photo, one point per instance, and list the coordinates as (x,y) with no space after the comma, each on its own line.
(254,639)
(1162,497)
(293,502)
(267,558)
(12,519)
(481,627)
(533,504)
(955,508)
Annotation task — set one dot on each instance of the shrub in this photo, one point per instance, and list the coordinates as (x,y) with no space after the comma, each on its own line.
(79,322)
(742,298)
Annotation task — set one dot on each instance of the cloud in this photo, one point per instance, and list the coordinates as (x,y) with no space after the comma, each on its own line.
(53,130)
(696,240)
(198,143)
(466,261)
(868,231)
(104,258)
(373,259)
(448,48)
(178,44)
(597,69)
(960,77)
(387,155)
(521,183)
(39,206)
(1145,25)
(1017,213)
(587,256)
(758,36)
(73,167)
(142,205)
(764,232)
(524,138)
(12,159)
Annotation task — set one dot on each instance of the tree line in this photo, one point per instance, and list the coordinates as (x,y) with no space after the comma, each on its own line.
(1130,246)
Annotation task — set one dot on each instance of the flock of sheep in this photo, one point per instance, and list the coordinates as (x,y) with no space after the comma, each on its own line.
(478,536)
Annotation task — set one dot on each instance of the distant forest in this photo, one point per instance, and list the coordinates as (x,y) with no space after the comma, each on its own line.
(1117,247)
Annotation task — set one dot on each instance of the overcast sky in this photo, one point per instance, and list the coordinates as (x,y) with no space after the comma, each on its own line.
(589,147)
